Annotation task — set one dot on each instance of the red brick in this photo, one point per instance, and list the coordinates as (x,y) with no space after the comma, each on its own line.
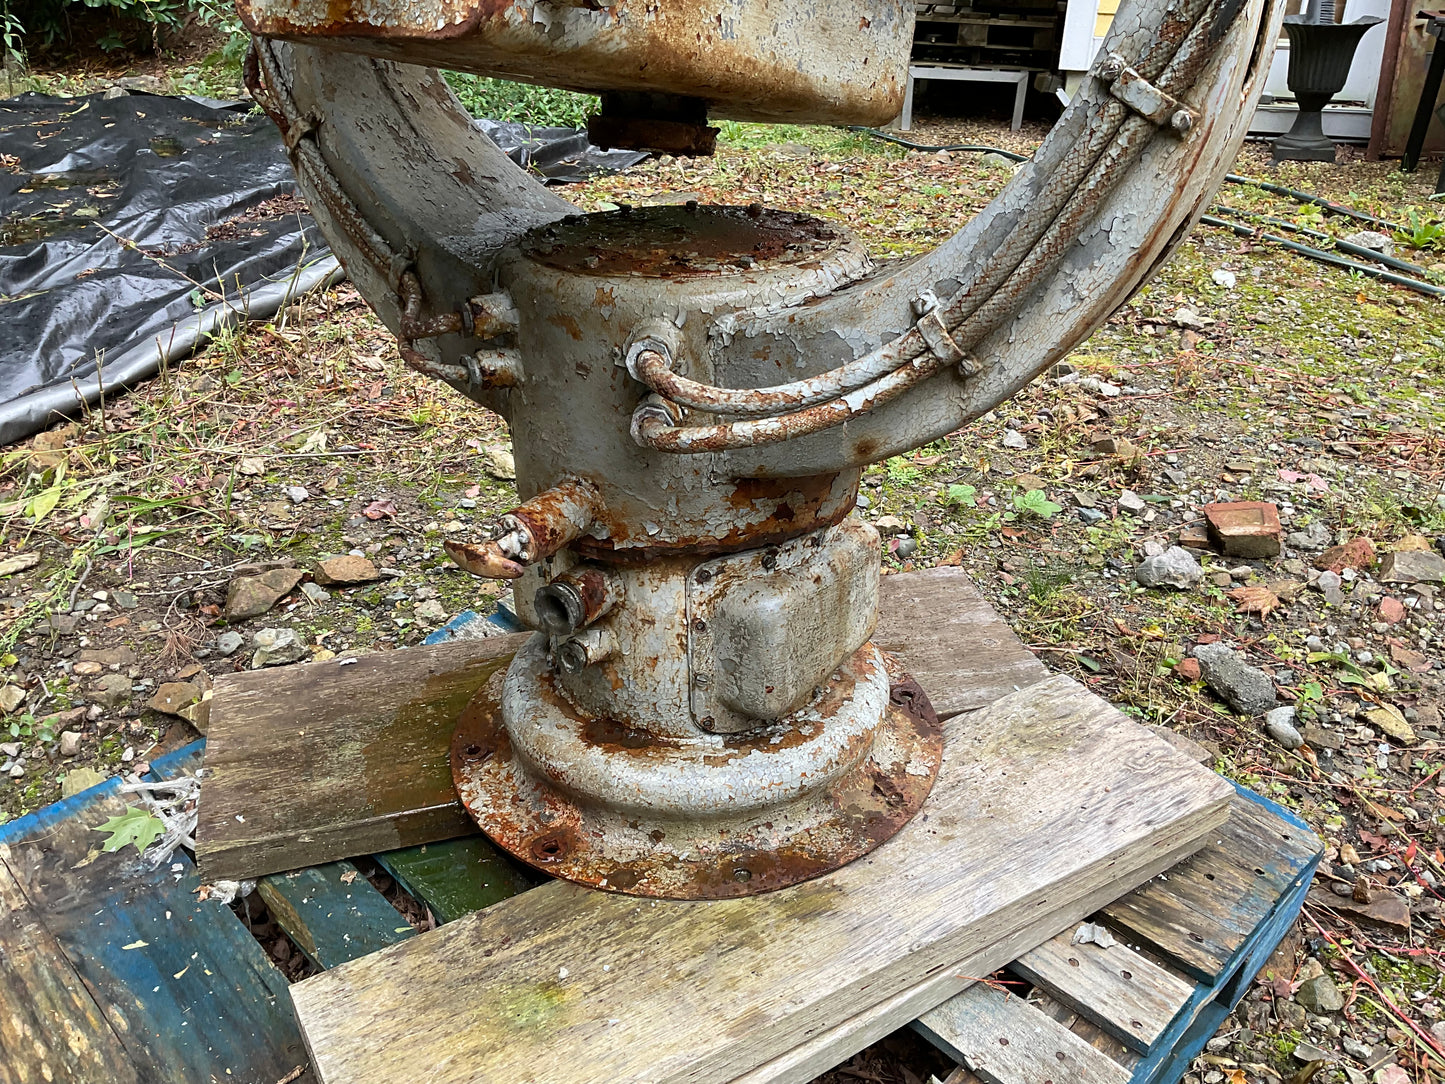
(1392,610)
(1188,669)
(1247,529)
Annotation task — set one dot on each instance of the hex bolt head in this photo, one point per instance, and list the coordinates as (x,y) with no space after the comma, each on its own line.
(1111,69)
(702,681)
(1181,121)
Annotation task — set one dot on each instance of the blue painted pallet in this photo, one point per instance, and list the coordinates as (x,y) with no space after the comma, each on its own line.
(184,990)
(1212,1001)
(176,990)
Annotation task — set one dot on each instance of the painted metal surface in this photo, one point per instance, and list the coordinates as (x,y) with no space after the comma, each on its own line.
(811,61)
(706,817)
(693,391)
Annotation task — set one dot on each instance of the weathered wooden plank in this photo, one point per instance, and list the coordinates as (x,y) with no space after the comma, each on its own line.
(1131,998)
(313,763)
(1086,1029)
(51,1029)
(457,876)
(951,640)
(823,1051)
(1005,1040)
(1199,916)
(188,992)
(332,912)
(1044,798)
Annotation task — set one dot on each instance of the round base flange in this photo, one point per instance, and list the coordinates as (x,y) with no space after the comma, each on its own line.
(647,852)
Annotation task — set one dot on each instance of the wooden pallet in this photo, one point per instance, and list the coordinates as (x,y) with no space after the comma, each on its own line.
(92,954)
(1140,1011)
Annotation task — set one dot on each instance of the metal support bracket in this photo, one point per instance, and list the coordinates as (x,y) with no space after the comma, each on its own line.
(1143,97)
(935,334)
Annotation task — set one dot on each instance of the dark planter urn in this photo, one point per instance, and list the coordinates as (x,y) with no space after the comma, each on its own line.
(1320,54)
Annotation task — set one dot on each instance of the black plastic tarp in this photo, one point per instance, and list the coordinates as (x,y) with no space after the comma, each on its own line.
(133,227)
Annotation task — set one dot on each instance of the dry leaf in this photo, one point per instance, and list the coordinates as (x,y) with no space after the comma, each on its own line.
(1255,600)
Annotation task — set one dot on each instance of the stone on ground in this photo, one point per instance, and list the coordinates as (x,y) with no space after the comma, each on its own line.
(69,744)
(1175,567)
(1312,537)
(1247,689)
(346,571)
(173,696)
(276,647)
(11,697)
(1412,566)
(251,596)
(111,691)
(1279,725)
(230,642)
(79,779)
(1357,553)
(1320,995)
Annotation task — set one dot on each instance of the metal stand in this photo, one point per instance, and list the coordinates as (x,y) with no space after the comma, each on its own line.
(1020,79)
(1429,92)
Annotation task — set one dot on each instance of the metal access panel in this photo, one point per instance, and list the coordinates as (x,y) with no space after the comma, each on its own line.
(819,61)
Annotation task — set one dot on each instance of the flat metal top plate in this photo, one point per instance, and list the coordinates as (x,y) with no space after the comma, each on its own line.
(682,241)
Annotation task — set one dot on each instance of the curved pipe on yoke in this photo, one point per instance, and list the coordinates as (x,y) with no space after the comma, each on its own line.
(1131,235)
(436,192)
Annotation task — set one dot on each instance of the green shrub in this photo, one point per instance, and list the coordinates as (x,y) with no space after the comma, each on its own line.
(499,99)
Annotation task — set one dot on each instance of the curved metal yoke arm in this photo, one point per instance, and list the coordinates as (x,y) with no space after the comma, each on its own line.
(1110,193)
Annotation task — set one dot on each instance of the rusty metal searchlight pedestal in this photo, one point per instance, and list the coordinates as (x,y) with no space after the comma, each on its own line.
(694,391)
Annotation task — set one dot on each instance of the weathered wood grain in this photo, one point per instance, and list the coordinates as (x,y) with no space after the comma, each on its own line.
(829,1048)
(1006,1040)
(1200,916)
(332,912)
(458,876)
(1085,1028)
(951,640)
(51,1029)
(313,763)
(1131,998)
(184,986)
(1045,797)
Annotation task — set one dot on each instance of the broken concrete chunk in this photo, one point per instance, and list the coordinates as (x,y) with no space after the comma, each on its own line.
(277,647)
(173,696)
(1247,689)
(1175,567)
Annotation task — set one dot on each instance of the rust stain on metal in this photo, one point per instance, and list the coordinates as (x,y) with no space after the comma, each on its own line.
(679,242)
(547,830)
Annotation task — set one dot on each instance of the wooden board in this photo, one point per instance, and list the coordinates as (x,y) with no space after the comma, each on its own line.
(1201,915)
(313,763)
(186,990)
(1131,998)
(323,761)
(1005,1040)
(1045,798)
(951,640)
(332,912)
(51,1028)
(458,876)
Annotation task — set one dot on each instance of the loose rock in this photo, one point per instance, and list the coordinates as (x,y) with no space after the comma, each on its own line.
(1279,725)
(1012,438)
(1320,995)
(228,643)
(173,696)
(1247,689)
(111,691)
(11,697)
(251,596)
(1175,567)
(1412,566)
(1131,502)
(69,744)
(276,647)
(1312,537)
(1373,240)
(79,779)
(1357,553)
(346,571)
(296,494)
